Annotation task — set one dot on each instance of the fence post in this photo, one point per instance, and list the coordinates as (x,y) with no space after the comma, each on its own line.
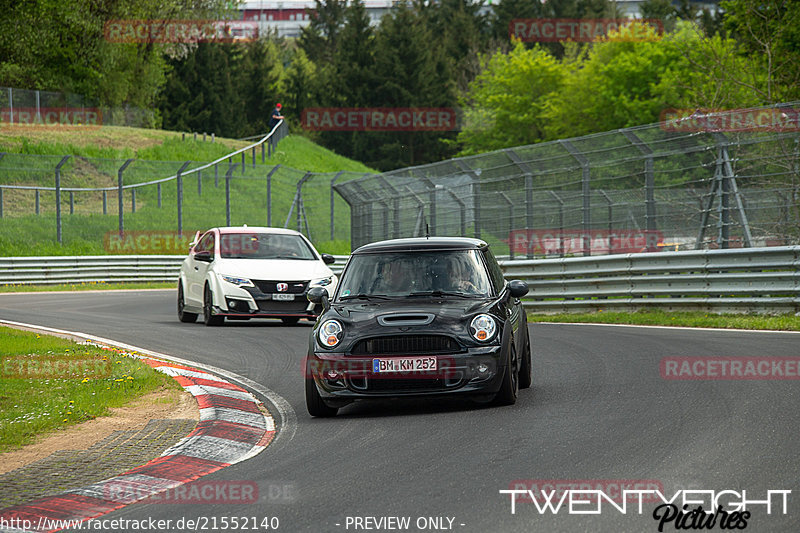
(610,220)
(528,173)
(254,157)
(179,188)
(586,192)
(263,159)
(649,184)
(244,166)
(58,197)
(159,194)
(560,223)
(510,205)
(476,193)
(228,193)
(333,182)
(216,174)
(11,106)
(119,195)
(133,200)
(395,206)
(269,194)
(1,202)
(105,202)
(200,182)
(71,202)
(37,201)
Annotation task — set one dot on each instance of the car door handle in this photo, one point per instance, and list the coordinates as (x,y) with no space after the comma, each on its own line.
(196,269)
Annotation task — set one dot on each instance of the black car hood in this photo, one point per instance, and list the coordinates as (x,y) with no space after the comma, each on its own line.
(444,309)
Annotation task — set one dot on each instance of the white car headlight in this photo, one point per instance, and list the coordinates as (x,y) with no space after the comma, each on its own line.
(330,333)
(239,282)
(324,282)
(483,328)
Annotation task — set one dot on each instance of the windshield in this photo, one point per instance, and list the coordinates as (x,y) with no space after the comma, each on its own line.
(263,246)
(406,274)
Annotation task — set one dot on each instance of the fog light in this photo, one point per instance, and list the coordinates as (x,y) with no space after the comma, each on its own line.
(332,374)
(232,304)
(483,368)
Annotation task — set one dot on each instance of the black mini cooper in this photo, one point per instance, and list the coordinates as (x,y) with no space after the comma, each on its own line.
(418,317)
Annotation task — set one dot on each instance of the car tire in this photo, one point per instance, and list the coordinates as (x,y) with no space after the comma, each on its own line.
(526,372)
(507,395)
(314,403)
(290,320)
(184,316)
(208,318)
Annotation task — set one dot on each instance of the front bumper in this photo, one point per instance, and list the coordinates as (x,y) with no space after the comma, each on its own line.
(479,371)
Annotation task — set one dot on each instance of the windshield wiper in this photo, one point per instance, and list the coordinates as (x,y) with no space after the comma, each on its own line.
(364,296)
(443,293)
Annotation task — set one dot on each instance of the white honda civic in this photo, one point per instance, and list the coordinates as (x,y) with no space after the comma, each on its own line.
(252,272)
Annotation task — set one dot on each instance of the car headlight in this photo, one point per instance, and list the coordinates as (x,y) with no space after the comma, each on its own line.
(324,282)
(483,328)
(330,333)
(239,282)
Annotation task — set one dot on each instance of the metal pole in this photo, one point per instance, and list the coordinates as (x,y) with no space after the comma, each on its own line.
(476,193)
(199,183)
(228,193)
(396,204)
(119,195)
(263,154)
(179,190)
(254,157)
(159,194)
(1,202)
(58,197)
(243,163)
(37,201)
(610,220)
(269,194)
(216,175)
(11,106)
(71,203)
(510,205)
(333,182)
(560,222)
(105,202)
(528,173)
(133,200)
(586,192)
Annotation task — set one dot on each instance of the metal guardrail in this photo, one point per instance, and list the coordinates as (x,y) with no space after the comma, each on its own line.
(721,281)
(99,269)
(734,280)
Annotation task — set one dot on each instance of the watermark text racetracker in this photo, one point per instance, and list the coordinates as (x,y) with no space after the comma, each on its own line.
(52,117)
(582,30)
(379,119)
(730,368)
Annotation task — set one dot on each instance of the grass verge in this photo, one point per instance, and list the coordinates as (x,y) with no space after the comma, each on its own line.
(48,383)
(91,286)
(683,319)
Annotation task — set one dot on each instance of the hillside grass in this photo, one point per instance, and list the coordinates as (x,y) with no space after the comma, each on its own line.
(97,156)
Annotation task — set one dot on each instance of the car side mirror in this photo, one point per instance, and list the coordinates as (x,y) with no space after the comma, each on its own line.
(517,288)
(328,259)
(318,295)
(204,256)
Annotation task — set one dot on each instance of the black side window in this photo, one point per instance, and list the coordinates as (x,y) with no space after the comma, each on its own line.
(206,244)
(495,272)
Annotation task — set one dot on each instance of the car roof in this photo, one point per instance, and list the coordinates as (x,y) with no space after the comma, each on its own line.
(256,229)
(422,244)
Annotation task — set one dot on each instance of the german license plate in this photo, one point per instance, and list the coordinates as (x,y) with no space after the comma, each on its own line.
(403,364)
(283,297)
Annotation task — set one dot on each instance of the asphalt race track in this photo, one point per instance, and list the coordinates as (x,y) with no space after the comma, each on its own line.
(598,410)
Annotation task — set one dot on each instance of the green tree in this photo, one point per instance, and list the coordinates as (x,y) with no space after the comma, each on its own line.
(320,39)
(769,33)
(505,103)
(301,80)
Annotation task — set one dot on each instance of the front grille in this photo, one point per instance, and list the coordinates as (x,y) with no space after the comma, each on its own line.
(416,385)
(278,307)
(268,287)
(406,344)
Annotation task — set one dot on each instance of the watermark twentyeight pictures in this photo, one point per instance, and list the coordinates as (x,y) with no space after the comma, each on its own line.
(730,368)
(52,117)
(552,30)
(379,119)
(179,31)
(777,119)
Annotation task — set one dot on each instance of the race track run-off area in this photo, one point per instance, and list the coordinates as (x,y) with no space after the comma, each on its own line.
(601,414)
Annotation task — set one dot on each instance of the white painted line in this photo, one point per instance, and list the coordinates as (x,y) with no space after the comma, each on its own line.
(203,390)
(682,328)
